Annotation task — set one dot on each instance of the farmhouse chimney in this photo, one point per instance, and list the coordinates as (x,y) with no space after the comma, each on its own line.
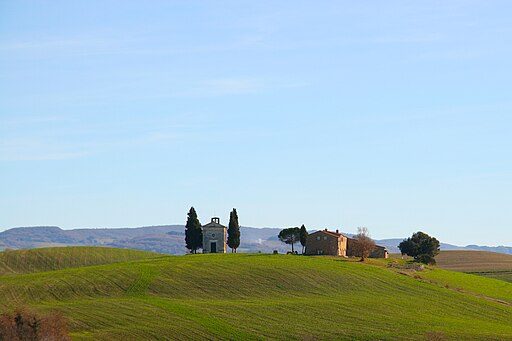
(325,230)
(337,231)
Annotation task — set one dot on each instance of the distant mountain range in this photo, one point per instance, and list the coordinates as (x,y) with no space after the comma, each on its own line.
(168,239)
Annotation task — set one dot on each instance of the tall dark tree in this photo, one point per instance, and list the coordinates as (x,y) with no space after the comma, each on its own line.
(290,236)
(421,246)
(233,231)
(193,232)
(303,236)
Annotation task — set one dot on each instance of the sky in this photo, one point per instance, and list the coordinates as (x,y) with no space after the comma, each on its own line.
(394,115)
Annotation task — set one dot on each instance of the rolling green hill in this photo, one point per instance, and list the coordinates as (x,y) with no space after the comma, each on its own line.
(58,258)
(258,296)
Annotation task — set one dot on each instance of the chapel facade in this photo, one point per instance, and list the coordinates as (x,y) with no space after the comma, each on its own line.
(214,237)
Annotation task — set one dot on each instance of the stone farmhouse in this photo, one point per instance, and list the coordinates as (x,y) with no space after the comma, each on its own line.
(326,242)
(214,237)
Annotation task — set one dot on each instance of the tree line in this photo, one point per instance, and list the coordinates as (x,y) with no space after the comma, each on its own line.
(194,231)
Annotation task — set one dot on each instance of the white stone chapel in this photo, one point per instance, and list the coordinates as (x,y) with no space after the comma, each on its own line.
(214,237)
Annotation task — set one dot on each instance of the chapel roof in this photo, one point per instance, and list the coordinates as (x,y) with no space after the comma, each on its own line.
(214,223)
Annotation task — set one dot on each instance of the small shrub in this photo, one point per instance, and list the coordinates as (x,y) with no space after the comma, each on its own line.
(25,325)
(434,336)
(275,252)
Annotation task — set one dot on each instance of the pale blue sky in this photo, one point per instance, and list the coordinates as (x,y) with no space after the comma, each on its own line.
(395,115)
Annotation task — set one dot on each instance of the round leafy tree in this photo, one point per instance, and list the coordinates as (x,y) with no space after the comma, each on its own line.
(421,246)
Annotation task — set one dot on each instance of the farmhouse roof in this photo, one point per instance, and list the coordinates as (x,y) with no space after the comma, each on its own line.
(331,233)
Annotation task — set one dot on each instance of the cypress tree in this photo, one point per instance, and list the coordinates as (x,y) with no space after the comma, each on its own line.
(193,232)
(233,231)
(303,236)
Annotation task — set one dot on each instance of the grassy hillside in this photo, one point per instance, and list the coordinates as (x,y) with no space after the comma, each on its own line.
(489,264)
(258,296)
(48,259)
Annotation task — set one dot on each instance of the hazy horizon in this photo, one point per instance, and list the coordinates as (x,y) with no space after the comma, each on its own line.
(346,231)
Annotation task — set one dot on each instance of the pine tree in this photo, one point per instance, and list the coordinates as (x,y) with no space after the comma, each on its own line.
(303,236)
(290,235)
(233,231)
(193,232)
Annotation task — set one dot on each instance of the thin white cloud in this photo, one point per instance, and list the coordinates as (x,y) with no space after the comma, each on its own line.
(160,136)
(39,156)
(232,86)
(222,87)
(48,44)
(16,121)
(35,150)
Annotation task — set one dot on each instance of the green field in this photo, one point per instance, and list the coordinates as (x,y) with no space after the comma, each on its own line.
(258,296)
